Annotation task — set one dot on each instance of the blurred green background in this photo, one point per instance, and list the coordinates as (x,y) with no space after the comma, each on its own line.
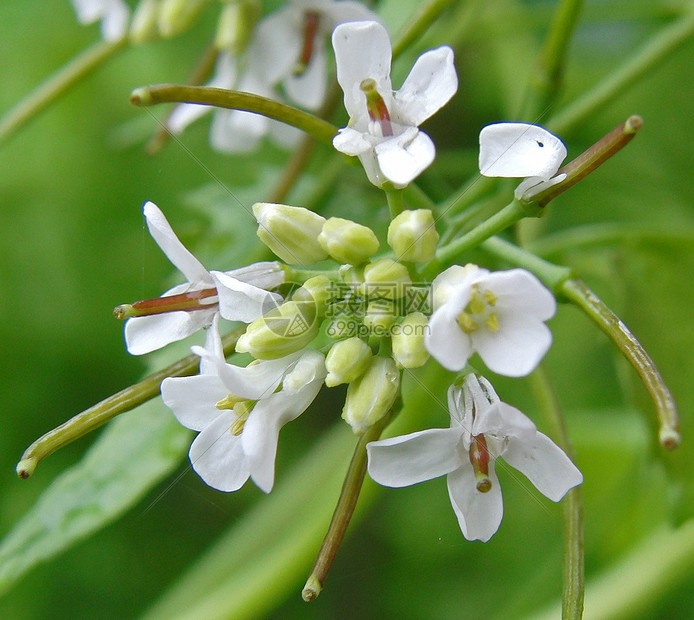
(73,245)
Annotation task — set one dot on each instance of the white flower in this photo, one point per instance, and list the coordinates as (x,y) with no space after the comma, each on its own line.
(383,126)
(114,16)
(522,150)
(287,50)
(482,429)
(240,295)
(499,315)
(239,411)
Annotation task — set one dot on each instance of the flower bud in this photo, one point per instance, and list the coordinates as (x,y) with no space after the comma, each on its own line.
(284,330)
(385,278)
(407,340)
(290,232)
(318,290)
(413,236)
(347,241)
(143,26)
(235,26)
(346,361)
(380,315)
(176,16)
(370,397)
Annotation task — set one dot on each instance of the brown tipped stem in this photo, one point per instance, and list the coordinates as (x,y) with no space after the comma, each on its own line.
(592,158)
(666,410)
(343,512)
(97,415)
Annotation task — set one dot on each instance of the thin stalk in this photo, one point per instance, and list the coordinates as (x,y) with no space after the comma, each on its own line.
(426,14)
(57,84)
(573,589)
(97,415)
(666,409)
(235,100)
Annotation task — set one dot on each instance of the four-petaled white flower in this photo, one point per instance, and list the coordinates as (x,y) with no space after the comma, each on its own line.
(287,50)
(239,295)
(239,411)
(499,315)
(114,16)
(383,128)
(482,429)
(517,150)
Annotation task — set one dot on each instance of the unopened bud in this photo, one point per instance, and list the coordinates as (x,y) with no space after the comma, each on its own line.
(380,315)
(407,341)
(413,236)
(283,330)
(318,290)
(235,25)
(371,397)
(385,278)
(143,26)
(347,241)
(346,361)
(290,232)
(176,16)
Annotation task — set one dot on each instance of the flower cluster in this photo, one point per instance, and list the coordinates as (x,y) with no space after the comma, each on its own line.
(367,317)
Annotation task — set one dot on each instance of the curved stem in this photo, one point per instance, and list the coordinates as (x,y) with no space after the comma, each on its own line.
(666,410)
(97,415)
(235,100)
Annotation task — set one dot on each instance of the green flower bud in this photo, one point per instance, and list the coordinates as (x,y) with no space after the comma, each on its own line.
(143,26)
(370,397)
(351,275)
(407,341)
(380,315)
(318,290)
(413,236)
(290,232)
(347,241)
(281,331)
(235,26)
(385,278)
(346,361)
(176,16)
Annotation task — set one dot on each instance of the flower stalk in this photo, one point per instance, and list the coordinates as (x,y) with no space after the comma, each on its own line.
(343,512)
(120,402)
(235,100)
(666,410)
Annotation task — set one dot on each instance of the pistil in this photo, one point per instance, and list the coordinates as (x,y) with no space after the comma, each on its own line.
(479,458)
(193,300)
(376,106)
(311,20)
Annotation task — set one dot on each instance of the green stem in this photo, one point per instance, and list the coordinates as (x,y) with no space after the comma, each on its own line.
(52,88)
(572,505)
(396,201)
(509,215)
(545,82)
(665,42)
(425,15)
(343,512)
(666,410)
(235,100)
(110,407)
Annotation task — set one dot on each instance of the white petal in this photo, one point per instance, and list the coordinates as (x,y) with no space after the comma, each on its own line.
(503,422)
(521,293)
(352,142)
(233,131)
(403,158)
(114,24)
(534,185)
(455,278)
(193,399)
(308,88)
(265,274)
(409,459)
(516,348)
(256,381)
(144,334)
(276,45)
(362,50)
(175,251)
(446,342)
(544,464)
(479,514)
(239,301)
(335,13)
(217,456)
(429,86)
(519,150)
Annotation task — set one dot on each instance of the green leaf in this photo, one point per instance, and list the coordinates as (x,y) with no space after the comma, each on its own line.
(134,453)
